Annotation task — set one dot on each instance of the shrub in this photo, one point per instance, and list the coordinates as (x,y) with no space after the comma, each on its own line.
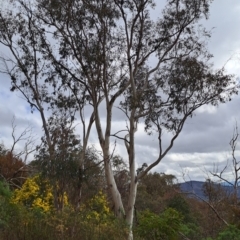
(164,226)
(34,194)
(231,232)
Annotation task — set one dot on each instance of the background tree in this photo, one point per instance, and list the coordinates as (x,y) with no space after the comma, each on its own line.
(153,190)
(13,160)
(235,167)
(217,207)
(61,166)
(13,170)
(214,192)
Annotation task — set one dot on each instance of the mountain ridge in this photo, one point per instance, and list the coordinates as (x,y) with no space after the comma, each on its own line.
(195,189)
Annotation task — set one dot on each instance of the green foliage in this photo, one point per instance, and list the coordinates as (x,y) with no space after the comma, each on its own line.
(159,227)
(191,231)
(231,232)
(5,191)
(5,195)
(179,204)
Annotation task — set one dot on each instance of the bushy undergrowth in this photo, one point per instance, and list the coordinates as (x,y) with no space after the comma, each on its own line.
(22,219)
(93,221)
(67,225)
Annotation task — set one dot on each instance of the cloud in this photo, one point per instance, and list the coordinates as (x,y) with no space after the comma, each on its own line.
(224,43)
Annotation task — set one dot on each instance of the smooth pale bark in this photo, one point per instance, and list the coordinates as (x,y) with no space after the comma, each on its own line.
(130,146)
(112,186)
(130,208)
(105,143)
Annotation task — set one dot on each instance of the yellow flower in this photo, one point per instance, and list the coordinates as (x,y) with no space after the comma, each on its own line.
(33,195)
(97,208)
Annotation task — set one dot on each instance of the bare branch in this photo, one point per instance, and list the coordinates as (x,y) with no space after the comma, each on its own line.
(26,137)
(209,204)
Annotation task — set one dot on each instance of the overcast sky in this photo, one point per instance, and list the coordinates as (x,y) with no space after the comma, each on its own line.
(205,138)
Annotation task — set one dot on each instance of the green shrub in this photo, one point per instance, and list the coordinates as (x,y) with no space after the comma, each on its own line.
(230,233)
(159,227)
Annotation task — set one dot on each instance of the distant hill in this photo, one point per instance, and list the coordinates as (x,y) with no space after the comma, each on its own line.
(193,186)
(197,188)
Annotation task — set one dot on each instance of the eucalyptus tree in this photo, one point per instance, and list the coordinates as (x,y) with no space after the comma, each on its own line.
(112,53)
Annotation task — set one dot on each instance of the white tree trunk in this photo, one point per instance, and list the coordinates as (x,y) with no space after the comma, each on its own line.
(130,207)
(112,186)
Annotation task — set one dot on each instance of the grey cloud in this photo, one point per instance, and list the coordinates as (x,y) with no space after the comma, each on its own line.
(225,19)
(205,132)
